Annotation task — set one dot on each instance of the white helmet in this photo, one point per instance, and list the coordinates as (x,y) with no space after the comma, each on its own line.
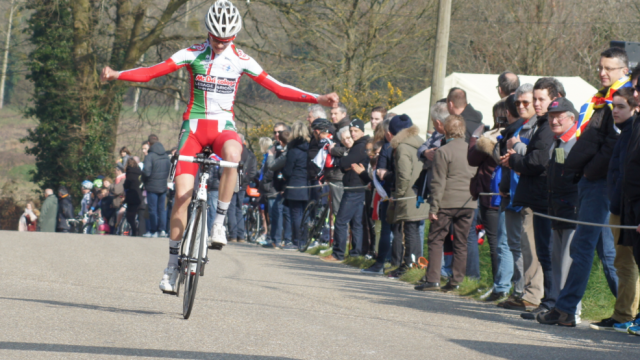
(223,19)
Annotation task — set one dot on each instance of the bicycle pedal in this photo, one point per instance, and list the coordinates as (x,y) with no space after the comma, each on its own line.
(169,292)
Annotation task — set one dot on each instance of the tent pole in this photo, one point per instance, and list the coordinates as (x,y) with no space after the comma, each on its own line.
(440,55)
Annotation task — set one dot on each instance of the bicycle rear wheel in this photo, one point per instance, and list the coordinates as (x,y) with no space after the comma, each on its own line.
(308,219)
(192,263)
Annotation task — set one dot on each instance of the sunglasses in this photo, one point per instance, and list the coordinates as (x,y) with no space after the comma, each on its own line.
(523,103)
(278,132)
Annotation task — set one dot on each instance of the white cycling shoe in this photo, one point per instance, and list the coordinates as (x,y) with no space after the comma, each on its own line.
(168,282)
(218,237)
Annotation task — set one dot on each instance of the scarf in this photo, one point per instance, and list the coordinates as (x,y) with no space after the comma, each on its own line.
(603,97)
(324,159)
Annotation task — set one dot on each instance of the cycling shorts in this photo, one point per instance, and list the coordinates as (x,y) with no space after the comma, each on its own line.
(198,133)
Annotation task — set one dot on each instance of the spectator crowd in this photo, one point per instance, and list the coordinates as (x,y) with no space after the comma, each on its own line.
(524,183)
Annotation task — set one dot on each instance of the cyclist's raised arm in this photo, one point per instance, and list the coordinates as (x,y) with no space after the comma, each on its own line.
(282,91)
(145,74)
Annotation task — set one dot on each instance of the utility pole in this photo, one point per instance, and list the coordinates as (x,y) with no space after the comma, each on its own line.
(440,56)
(5,61)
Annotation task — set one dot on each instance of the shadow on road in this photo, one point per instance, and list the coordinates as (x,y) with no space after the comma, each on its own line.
(522,351)
(128,352)
(393,293)
(86,306)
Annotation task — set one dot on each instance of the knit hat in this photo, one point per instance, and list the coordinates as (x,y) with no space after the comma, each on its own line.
(399,123)
(357,123)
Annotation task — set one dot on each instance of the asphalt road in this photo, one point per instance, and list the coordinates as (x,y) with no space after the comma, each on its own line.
(97,297)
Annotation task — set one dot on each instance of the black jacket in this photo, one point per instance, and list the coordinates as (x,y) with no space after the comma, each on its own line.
(250,167)
(563,192)
(385,161)
(65,212)
(357,155)
(616,166)
(266,187)
(295,170)
(507,133)
(213,183)
(472,119)
(132,191)
(593,150)
(106,207)
(156,169)
(532,188)
(330,174)
(631,170)
(278,180)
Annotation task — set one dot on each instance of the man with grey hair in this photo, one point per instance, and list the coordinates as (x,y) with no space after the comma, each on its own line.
(49,212)
(315,111)
(339,117)
(508,83)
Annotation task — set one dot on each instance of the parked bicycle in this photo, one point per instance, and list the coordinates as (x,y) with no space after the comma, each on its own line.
(252,218)
(316,218)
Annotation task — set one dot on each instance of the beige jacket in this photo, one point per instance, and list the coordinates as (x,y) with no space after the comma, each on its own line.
(407,167)
(451,178)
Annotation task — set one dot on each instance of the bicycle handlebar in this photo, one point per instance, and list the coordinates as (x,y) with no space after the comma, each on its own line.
(221,163)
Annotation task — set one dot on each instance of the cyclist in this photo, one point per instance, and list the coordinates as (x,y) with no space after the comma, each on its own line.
(86,201)
(215,66)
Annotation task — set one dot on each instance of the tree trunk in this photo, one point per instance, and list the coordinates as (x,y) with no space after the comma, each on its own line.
(5,61)
(136,96)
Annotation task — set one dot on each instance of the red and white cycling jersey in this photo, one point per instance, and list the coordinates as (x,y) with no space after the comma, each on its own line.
(215,80)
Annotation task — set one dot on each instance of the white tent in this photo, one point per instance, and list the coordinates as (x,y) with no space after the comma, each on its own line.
(482,94)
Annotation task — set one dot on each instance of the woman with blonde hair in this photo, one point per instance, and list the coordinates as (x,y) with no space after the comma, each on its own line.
(29,219)
(295,175)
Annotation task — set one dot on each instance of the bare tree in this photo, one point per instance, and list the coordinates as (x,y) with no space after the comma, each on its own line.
(5,59)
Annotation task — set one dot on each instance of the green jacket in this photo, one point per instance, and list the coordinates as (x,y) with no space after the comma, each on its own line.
(49,214)
(407,167)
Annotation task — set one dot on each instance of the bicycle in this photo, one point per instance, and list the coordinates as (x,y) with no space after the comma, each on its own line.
(314,219)
(252,217)
(193,251)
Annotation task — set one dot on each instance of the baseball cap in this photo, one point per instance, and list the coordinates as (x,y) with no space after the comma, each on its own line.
(561,104)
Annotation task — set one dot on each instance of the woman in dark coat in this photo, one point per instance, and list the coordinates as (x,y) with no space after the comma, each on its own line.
(295,175)
(480,153)
(133,193)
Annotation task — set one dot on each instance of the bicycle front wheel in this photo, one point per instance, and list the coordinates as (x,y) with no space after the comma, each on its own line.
(192,262)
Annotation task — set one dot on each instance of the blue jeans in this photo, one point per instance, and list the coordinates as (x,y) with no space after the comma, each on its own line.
(421,231)
(280,221)
(350,212)
(386,234)
(473,254)
(502,280)
(296,208)
(235,220)
(157,211)
(212,206)
(593,206)
(543,237)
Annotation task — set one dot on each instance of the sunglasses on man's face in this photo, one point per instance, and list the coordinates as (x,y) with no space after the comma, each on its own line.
(278,132)
(523,103)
